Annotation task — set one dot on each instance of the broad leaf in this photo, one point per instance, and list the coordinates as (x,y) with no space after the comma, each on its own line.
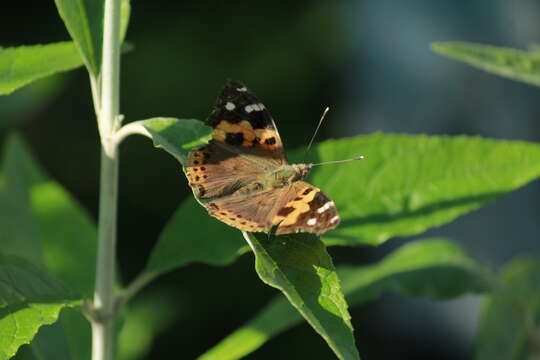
(78,332)
(178,246)
(49,216)
(509,323)
(406,185)
(29,298)
(435,268)
(48,226)
(84,21)
(21,65)
(299,266)
(176,136)
(145,318)
(510,63)
(49,343)
(19,234)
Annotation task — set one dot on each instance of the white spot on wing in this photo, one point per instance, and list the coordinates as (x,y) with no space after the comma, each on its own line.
(334,219)
(254,107)
(242,89)
(325,207)
(312,221)
(230,106)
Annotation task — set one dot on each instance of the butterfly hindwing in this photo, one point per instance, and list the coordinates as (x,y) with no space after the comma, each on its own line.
(305,208)
(251,212)
(298,207)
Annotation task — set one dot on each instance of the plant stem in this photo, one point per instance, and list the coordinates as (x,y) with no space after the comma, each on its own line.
(104,323)
(136,285)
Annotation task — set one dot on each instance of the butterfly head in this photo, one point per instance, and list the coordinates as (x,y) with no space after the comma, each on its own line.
(301,170)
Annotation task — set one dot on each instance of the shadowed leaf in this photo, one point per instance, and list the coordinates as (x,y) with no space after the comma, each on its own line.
(299,266)
(46,226)
(509,323)
(436,268)
(176,136)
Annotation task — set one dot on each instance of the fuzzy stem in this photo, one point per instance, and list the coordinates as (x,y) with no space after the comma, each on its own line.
(104,323)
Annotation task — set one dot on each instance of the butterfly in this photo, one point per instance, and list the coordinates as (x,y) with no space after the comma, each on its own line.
(242,176)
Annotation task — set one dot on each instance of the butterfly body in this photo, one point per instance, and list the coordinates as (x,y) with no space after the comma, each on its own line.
(242,175)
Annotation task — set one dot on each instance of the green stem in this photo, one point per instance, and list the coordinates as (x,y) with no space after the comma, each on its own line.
(103,324)
(140,281)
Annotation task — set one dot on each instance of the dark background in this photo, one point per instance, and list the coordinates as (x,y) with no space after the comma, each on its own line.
(368,60)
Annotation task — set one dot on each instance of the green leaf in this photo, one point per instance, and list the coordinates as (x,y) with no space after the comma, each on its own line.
(146,317)
(44,224)
(180,243)
(49,343)
(84,22)
(42,212)
(125,12)
(436,268)
(19,234)
(69,236)
(406,185)
(29,298)
(79,334)
(510,63)
(21,65)
(432,267)
(176,136)
(509,323)
(299,266)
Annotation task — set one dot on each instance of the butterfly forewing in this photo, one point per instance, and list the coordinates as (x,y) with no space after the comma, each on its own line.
(216,171)
(240,119)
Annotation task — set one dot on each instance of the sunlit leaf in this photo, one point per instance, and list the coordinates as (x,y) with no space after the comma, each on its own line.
(510,63)
(29,298)
(406,185)
(21,65)
(299,266)
(84,22)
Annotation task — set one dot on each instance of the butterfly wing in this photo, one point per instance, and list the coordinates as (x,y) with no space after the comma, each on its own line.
(305,208)
(298,207)
(245,145)
(252,212)
(240,120)
(216,171)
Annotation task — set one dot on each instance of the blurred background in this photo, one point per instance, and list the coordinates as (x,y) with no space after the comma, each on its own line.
(369,61)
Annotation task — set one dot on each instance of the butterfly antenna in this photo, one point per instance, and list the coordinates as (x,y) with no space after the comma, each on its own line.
(361,157)
(316,131)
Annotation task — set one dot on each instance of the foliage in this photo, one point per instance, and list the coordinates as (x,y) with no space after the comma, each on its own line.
(407,185)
